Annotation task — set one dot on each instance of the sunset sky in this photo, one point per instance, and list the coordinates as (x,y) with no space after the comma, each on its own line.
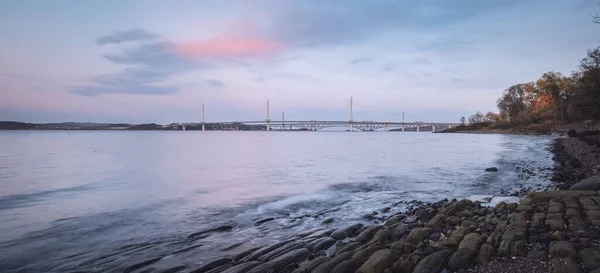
(159,61)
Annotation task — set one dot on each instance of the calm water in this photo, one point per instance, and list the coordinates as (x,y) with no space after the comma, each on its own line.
(101,201)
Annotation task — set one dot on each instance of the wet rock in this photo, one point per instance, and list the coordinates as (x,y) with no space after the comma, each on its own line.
(395,219)
(346,266)
(368,216)
(328,265)
(283,261)
(309,266)
(367,234)
(504,248)
(557,236)
(363,254)
(215,229)
(500,207)
(320,244)
(327,221)
(590,183)
(145,263)
(524,208)
(411,219)
(322,233)
(262,251)
(510,207)
(379,261)
(417,235)
(386,209)
(212,265)
(381,236)
(351,246)
(491,169)
(562,249)
(494,239)
(590,258)
(425,214)
(236,258)
(406,264)
(486,252)
(281,250)
(219,269)
(465,255)
(433,263)
(435,236)
(348,231)
(308,232)
(564,266)
(400,231)
(455,237)
(453,220)
(403,247)
(264,220)
(547,195)
(242,268)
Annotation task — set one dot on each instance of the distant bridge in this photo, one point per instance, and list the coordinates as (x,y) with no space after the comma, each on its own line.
(315,125)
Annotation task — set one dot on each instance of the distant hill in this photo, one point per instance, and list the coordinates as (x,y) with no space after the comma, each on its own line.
(14,125)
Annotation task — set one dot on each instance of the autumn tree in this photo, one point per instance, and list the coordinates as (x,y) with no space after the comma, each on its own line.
(491,117)
(585,103)
(557,86)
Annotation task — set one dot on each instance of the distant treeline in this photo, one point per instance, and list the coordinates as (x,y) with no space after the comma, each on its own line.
(553,98)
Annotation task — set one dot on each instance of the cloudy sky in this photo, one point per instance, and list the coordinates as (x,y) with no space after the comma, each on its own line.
(159,61)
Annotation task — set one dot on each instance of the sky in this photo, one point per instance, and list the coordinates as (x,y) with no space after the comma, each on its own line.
(159,61)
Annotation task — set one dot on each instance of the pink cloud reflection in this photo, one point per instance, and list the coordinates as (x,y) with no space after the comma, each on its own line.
(229,47)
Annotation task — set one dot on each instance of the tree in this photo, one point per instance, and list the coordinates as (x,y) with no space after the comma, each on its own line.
(557,86)
(491,117)
(476,118)
(462,121)
(585,103)
(513,102)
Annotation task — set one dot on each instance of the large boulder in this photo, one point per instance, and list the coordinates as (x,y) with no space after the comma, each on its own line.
(486,252)
(367,234)
(433,263)
(562,249)
(346,266)
(417,235)
(283,261)
(465,255)
(346,232)
(590,183)
(379,261)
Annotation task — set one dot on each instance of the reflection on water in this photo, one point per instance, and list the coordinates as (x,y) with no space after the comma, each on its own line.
(105,200)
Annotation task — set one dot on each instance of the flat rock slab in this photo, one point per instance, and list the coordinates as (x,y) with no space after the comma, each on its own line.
(590,183)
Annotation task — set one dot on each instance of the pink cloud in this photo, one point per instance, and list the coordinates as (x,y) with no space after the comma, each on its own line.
(228,47)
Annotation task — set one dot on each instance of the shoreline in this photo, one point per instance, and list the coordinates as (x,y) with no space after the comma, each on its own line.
(556,230)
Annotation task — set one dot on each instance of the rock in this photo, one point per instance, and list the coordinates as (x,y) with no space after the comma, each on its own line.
(590,258)
(515,232)
(346,266)
(590,183)
(369,216)
(494,239)
(145,263)
(491,169)
(219,269)
(327,221)
(379,261)
(367,234)
(215,229)
(436,221)
(486,252)
(538,220)
(455,237)
(406,263)
(435,236)
(555,221)
(309,266)
(546,195)
(283,261)
(400,231)
(242,268)
(281,250)
(501,206)
(362,255)
(321,233)
(213,264)
(320,244)
(425,214)
(381,236)
(464,256)
(237,257)
(264,220)
(453,220)
(524,208)
(433,263)
(386,209)
(348,231)
(410,219)
(262,251)
(417,235)
(504,248)
(403,247)
(510,207)
(564,266)
(518,249)
(394,220)
(562,249)
(571,213)
(308,232)
(557,236)
(328,265)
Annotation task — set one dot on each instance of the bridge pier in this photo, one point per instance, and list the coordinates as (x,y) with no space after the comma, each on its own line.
(403,127)
(433,128)
(418,127)
(268,120)
(385,127)
(203,117)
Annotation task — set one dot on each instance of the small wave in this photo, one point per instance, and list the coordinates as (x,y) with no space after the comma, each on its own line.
(28,199)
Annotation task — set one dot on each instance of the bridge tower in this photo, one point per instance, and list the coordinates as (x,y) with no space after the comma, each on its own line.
(402,121)
(351,121)
(203,117)
(268,119)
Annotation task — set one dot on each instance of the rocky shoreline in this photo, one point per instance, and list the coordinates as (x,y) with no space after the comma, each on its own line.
(555,230)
